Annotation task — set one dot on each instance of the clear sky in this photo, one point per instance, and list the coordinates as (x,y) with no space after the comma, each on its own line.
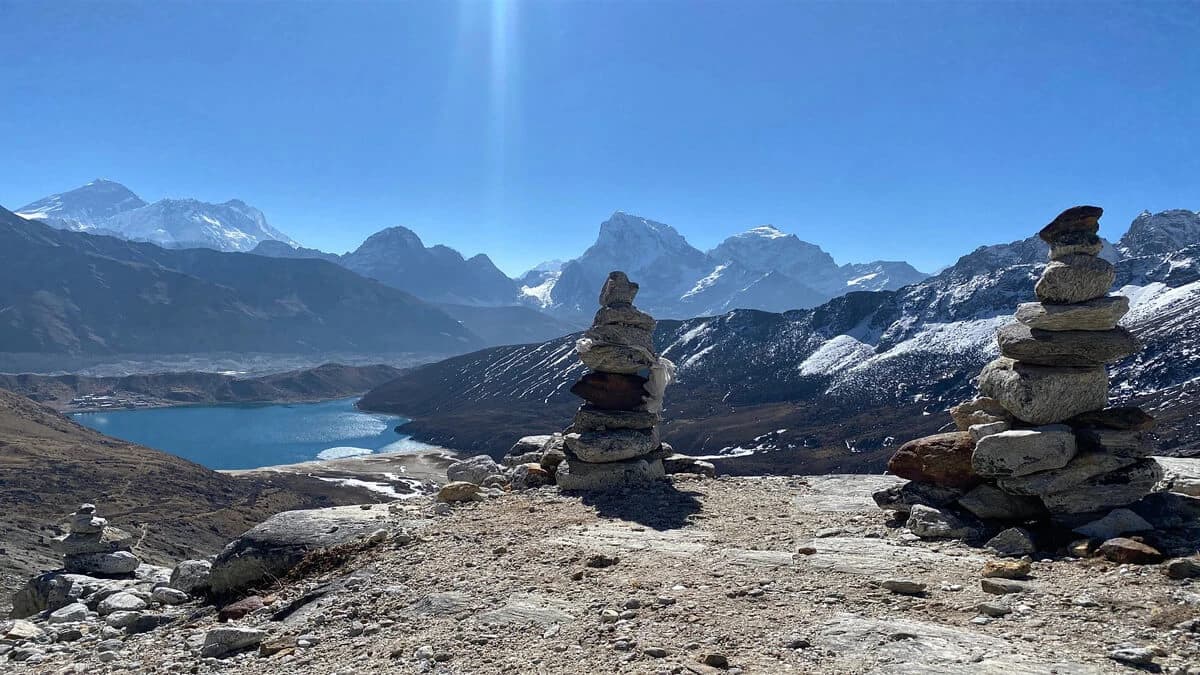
(894,130)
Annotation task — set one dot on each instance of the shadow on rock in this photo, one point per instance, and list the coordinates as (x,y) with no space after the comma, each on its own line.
(660,506)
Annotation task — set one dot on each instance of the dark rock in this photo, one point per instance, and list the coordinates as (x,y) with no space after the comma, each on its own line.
(1168,510)
(943,460)
(1073,243)
(991,503)
(1065,347)
(590,418)
(624,316)
(611,391)
(237,610)
(148,622)
(1015,541)
(1182,568)
(1124,419)
(1122,443)
(1075,278)
(1097,314)
(1085,219)
(618,290)
(1127,551)
(903,497)
(1004,586)
(930,523)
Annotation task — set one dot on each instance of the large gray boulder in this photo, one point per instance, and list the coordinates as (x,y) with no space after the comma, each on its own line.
(229,639)
(1075,278)
(991,503)
(1097,314)
(1082,468)
(473,469)
(1065,347)
(1024,451)
(903,497)
(612,446)
(1044,394)
(191,576)
(573,474)
(271,548)
(930,523)
(1106,491)
(49,591)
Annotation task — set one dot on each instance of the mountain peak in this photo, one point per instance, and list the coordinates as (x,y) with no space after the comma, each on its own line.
(766,232)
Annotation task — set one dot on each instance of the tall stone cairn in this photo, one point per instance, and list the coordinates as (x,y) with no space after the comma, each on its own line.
(613,441)
(92,546)
(1040,444)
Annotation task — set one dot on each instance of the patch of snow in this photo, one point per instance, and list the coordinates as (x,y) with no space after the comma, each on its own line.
(543,292)
(343,451)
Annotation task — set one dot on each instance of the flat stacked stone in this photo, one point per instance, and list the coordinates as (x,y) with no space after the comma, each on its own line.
(613,440)
(1040,442)
(93,547)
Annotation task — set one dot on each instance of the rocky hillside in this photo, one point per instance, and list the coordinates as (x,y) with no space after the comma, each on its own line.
(74,293)
(49,465)
(696,576)
(329,381)
(831,388)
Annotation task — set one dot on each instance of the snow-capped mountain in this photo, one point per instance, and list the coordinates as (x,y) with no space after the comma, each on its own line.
(82,208)
(1160,233)
(762,268)
(869,367)
(107,207)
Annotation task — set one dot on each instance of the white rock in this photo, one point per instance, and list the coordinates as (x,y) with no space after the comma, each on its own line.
(121,602)
(76,611)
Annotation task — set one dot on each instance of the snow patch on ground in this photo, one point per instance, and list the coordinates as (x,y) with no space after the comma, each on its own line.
(343,451)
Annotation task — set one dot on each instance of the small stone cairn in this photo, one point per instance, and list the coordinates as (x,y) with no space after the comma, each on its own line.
(93,547)
(1040,445)
(613,441)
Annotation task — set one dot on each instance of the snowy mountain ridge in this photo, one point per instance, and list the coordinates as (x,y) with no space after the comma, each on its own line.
(107,207)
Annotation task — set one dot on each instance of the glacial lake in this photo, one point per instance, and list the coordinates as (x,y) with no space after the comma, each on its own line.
(250,436)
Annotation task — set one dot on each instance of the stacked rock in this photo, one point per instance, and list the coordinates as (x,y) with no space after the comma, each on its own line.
(93,547)
(1041,441)
(613,441)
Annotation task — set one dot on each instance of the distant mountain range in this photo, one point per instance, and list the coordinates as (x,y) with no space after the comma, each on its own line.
(77,293)
(106,207)
(762,268)
(836,387)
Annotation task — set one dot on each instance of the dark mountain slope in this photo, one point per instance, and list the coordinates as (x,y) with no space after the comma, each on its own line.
(69,292)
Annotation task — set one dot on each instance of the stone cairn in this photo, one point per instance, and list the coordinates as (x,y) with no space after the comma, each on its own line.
(613,441)
(1040,444)
(93,547)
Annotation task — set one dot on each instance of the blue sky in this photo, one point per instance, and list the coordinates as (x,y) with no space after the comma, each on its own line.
(888,130)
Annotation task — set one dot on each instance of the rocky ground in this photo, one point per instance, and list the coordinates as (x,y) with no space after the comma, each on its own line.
(754,575)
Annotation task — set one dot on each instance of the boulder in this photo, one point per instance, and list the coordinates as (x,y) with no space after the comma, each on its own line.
(618,290)
(240,609)
(1106,491)
(675,463)
(1127,551)
(1075,278)
(1044,394)
(532,475)
(473,469)
(528,444)
(459,491)
(271,548)
(1123,419)
(219,642)
(121,602)
(106,540)
(942,459)
(619,334)
(168,596)
(624,316)
(191,576)
(1122,443)
(991,503)
(20,630)
(1096,314)
(574,474)
(1019,452)
(1085,219)
(119,562)
(1065,347)
(1084,466)
(931,523)
(902,498)
(48,591)
(978,431)
(589,418)
(1116,523)
(72,613)
(1168,509)
(981,410)
(1076,243)
(1182,568)
(1013,542)
(608,357)
(144,623)
(611,446)
(611,391)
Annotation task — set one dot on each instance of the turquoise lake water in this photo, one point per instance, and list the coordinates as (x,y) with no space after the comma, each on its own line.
(250,436)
